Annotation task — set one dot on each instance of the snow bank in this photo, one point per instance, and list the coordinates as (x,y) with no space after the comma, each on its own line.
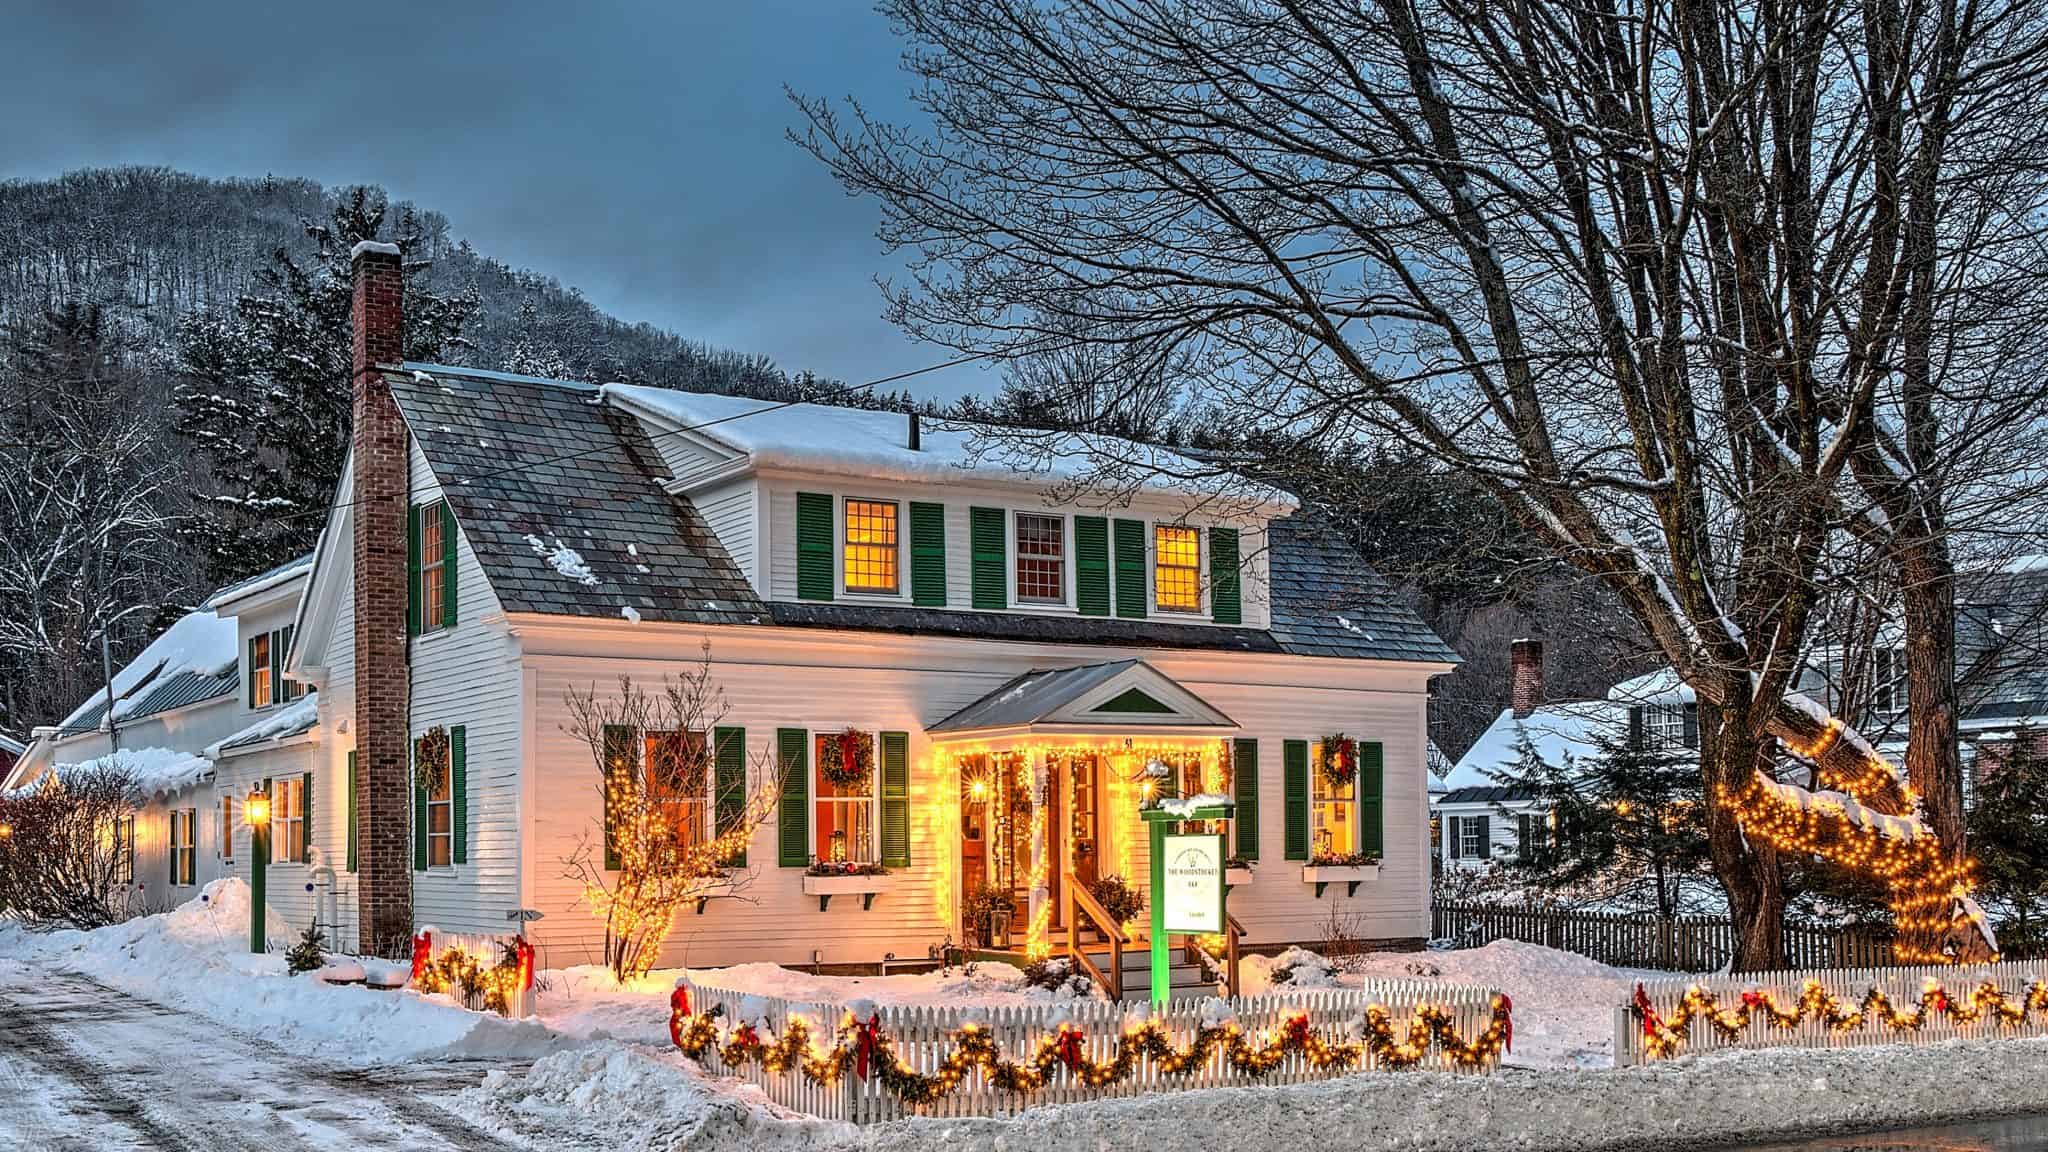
(195,959)
(156,771)
(617,1097)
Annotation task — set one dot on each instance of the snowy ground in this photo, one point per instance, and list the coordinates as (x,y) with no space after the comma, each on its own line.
(163,1033)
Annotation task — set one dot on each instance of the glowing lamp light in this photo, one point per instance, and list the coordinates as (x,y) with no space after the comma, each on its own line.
(979,789)
(6,831)
(256,809)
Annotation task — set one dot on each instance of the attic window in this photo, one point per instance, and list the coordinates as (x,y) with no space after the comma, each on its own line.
(1176,574)
(433,566)
(871,553)
(1133,700)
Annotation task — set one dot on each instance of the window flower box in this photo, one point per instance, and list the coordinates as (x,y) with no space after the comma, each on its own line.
(863,883)
(1236,873)
(1348,871)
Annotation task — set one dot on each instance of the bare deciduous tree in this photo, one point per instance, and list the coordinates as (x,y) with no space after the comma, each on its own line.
(67,856)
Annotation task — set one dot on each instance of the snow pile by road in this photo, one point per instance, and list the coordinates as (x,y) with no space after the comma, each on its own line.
(616,1096)
(196,959)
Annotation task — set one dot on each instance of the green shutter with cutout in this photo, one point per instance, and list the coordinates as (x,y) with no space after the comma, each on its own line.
(351,810)
(814,569)
(1294,766)
(1372,807)
(1131,593)
(1244,787)
(729,802)
(412,570)
(1226,606)
(792,819)
(458,793)
(419,811)
(447,565)
(276,668)
(927,554)
(1091,565)
(988,529)
(620,763)
(895,800)
(306,818)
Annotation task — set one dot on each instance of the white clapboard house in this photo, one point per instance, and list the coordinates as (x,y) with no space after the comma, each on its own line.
(1019,651)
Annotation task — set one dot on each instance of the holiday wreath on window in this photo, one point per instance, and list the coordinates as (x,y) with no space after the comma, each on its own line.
(848,759)
(1337,760)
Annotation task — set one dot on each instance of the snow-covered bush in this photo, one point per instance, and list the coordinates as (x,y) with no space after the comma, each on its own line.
(1301,968)
(67,859)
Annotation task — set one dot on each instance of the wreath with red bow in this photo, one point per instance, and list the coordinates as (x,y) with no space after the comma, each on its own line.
(1337,760)
(848,759)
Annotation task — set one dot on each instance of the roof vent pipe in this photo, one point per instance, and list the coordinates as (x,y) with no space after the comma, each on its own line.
(916,433)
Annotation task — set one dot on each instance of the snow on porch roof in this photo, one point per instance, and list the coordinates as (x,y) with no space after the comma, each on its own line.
(1054,696)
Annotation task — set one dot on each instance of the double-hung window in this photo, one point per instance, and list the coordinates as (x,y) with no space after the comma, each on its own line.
(843,828)
(184,848)
(288,818)
(1474,838)
(870,549)
(440,803)
(1666,725)
(124,849)
(262,683)
(678,771)
(1041,559)
(227,828)
(433,523)
(1176,568)
(1888,682)
(1333,811)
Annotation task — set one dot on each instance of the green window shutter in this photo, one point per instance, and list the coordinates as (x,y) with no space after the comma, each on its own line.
(1130,569)
(419,812)
(1294,765)
(447,566)
(351,810)
(251,663)
(276,668)
(1372,808)
(286,690)
(620,763)
(458,793)
(1225,605)
(729,802)
(927,555)
(306,814)
(1244,786)
(412,570)
(1091,565)
(814,577)
(792,820)
(895,800)
(987,528)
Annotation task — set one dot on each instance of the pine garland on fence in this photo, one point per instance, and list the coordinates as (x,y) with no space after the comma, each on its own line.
(1663,1037)
(863,1048)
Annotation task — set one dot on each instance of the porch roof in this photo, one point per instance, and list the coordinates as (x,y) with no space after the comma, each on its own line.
(1120,693)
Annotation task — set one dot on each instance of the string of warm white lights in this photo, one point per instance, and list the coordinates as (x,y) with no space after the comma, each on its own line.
(1664,1036)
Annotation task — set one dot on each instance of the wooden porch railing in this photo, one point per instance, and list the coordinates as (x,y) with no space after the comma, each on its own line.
(1233,937)
(1079,898)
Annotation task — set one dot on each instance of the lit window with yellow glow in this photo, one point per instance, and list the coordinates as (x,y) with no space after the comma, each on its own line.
(1333,810)
(871,546)
(1176,568)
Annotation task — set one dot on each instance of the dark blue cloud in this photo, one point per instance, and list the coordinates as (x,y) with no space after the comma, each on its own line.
(633,150)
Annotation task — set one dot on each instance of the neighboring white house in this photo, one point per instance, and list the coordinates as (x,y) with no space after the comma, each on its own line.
(1018,649)
(187,712)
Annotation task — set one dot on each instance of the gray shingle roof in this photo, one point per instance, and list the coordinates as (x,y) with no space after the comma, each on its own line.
(1033,696)
(520,457)
(1486,794)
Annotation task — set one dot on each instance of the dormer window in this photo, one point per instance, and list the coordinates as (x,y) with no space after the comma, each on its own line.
(1041,559)
(1665,724)
(433,566)
(870,550)
(1176,568)
(260,671)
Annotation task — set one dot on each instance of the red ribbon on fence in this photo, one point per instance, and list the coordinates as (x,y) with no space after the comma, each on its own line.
(867,1037)
(422,954)
(1069,1046)
(678,1011)
(524,952)
(1648,1013)
(1297,1029)
(1507,1022)
(1752,998)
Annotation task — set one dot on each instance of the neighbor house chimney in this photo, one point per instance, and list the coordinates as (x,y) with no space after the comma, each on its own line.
(1525,676)
(916,434)
(383,688)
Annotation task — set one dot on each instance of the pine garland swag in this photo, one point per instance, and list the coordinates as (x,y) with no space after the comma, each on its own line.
(1664,1037)
(1337,760)
(848,759)
(863,1048)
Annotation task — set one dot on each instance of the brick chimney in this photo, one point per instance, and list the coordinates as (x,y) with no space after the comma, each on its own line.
(383,680)
(1525,676)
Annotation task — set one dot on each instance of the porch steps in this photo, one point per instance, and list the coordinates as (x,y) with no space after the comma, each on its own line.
(1187,980)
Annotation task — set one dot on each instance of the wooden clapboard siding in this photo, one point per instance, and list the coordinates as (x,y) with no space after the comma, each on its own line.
(781,678)
(729,510)
(467,675)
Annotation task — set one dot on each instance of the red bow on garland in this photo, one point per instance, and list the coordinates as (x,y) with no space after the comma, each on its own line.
(1507,1022)
(1070,1046)
(1297,1029)
(867,1038)
(1648,1013)
(422,954)
(678,1011)
(523,952)
(1752,999)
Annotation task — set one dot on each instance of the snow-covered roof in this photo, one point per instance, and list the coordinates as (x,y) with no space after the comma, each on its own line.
(298,716)
(156,771)
(1660,687)
(1555,731)
(201,643)
(10,746)
(873,445)
(262,581)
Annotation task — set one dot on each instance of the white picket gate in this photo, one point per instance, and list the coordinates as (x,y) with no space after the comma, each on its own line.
(1848,985)
(924,1035)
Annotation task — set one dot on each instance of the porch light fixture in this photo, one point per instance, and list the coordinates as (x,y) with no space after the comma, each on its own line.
(256,810)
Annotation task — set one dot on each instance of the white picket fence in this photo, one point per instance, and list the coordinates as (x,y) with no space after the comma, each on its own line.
(1848,985)
(488,948)
(923,1036)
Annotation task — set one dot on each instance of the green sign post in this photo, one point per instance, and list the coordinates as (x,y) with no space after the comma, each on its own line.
(256,814)
(1188,892)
